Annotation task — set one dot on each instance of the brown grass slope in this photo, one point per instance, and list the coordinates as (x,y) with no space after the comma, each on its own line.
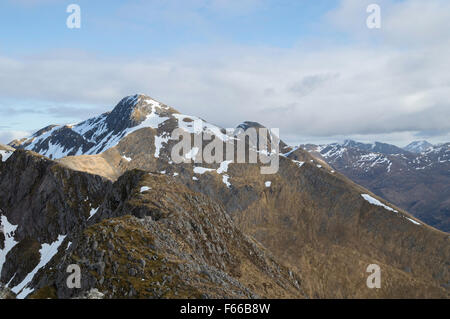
(418,183)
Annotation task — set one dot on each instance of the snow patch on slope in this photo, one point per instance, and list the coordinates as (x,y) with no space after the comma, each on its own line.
(225,180)
(413,221)
(299,164)
(202,170)
(145,188)
(223,168)
(92,212)
(187,123)
(376,202)
(5,155)
(8,230)
(47,252)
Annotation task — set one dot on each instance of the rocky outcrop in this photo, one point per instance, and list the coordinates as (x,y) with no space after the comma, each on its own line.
(44,200)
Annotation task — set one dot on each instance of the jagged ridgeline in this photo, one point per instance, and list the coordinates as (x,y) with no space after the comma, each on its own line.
(105,195)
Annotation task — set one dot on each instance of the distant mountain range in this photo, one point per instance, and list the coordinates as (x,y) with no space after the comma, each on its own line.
(418,146)
(416,178)
(105,194)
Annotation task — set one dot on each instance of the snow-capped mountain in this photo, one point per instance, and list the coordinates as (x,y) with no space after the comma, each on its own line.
(99,133)
(417,146)
(418,182)
(376,147)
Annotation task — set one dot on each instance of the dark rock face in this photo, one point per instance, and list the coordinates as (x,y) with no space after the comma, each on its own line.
(44,200)
(182,245)
(167,242)
(418,183)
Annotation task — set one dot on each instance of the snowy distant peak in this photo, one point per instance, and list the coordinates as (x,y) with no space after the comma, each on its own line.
(348,143)
(351,157)
(418,146)
(355,144)
(355,155)
(248,124)
(378,147)
(439,152)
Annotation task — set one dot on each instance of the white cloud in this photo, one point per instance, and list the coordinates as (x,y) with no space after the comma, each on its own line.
(344,91)
(393,87)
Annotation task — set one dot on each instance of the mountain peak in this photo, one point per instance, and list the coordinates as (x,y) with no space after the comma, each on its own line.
(98,133)
(248,124)
(134,109)
(377,147)
(348,142)
(418,146)
(131,103)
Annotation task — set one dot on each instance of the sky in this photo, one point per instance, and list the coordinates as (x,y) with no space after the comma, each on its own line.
(313,69)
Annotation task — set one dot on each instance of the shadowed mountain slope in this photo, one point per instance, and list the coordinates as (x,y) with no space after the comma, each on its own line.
(145,236)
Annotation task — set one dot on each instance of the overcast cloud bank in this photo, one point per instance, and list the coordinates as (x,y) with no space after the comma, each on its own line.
(391,83)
